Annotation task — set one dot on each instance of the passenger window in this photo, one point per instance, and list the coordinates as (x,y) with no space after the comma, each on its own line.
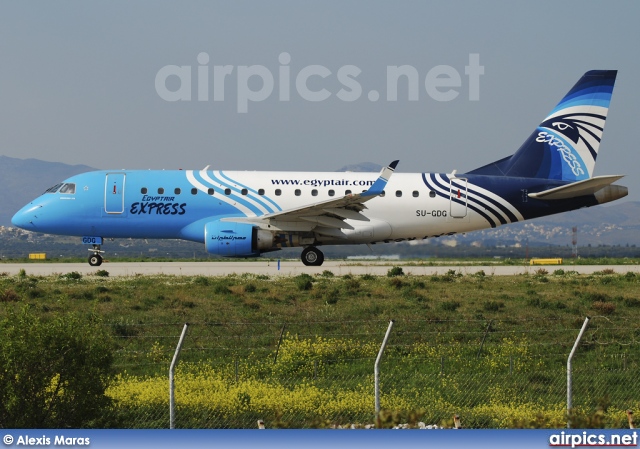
(314,192)
(194,191)
(347,192)
(177,190)
(278,192)
(68,188)
(383,193)
(261,192)
(244,191)
(143,190)
(298,192)
(416,194)
(227,191)
(432,194)
(160,190)
(210,191)
(398,193)
(332,192)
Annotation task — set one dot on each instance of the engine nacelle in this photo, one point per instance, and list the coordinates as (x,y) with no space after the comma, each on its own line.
(236,239)
(233,239)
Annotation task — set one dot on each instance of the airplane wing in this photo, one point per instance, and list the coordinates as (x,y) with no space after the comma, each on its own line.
(325,217)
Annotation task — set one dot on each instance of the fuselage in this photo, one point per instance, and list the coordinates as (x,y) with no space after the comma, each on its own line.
(176,204)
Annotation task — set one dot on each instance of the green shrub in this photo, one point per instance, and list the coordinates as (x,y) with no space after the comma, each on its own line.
(304,282)
(55,373)
(201,280)
(604,307)
(395,271)
(493,306)
(72,276)
(220,288)
(351,286)
(9,296)
(450,306)
(631,302)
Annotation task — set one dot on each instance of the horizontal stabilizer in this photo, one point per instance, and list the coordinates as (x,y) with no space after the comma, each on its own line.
(573,190)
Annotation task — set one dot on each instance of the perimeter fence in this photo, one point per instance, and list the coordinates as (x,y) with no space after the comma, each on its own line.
(493,374)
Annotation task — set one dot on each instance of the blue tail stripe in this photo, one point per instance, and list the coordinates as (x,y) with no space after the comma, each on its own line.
(512,218)
(455,200)
(493,211)
(598,90)
(485,216)
(480,203)
(581,101)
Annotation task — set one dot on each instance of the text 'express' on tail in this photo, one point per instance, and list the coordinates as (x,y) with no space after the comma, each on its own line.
(565,144)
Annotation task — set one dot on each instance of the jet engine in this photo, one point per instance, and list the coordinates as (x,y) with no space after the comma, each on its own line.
(236,239)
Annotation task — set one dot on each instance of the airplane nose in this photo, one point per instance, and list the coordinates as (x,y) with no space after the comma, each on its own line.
(26,217)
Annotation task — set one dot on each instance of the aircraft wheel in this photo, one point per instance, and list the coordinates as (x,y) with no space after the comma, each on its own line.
(312,256)
(95,260)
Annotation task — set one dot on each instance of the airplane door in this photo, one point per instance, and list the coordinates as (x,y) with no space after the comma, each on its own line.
(114,193)
(458,197)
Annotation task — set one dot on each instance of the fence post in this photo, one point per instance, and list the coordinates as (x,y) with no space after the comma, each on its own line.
(570,373)
(484,337)
(275,357)
(376,368)
(172,404)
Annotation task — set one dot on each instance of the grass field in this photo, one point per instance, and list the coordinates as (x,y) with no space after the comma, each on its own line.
(299,351)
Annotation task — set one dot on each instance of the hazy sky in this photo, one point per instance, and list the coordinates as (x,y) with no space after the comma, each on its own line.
(78,81)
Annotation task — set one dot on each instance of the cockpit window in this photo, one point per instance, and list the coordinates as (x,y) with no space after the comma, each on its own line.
(53,189)
(68,187)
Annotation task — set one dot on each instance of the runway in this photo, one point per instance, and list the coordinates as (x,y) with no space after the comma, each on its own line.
(291,268)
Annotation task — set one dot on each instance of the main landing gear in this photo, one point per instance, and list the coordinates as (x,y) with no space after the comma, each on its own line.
(312,256)
(95,259)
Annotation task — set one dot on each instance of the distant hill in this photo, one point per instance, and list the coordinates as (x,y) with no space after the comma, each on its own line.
(25,179)
(362,167)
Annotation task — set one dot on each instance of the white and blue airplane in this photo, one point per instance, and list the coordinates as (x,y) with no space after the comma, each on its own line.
(247,213)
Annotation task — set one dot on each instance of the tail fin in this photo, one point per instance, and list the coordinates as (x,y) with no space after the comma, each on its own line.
(565,145)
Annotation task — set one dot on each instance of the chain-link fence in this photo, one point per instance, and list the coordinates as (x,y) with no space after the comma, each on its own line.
(499,373)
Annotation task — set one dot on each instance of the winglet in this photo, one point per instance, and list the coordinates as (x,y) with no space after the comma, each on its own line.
(381,182)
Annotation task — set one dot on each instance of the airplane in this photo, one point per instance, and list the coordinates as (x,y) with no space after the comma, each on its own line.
(247,213)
